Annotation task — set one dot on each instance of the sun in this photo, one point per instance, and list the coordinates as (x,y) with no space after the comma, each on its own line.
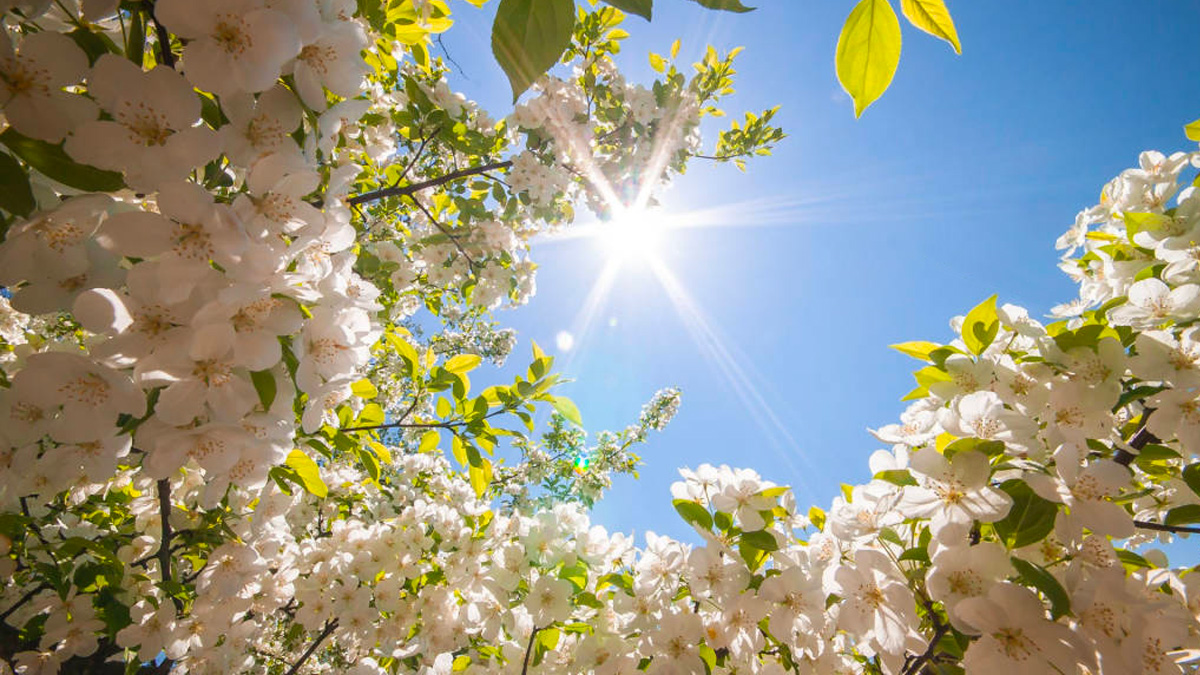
(632,234)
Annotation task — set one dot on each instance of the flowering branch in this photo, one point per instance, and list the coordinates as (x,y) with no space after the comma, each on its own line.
(24,599)
(940,629)
(443,230)
(167,57)
(409,190)
(329,628)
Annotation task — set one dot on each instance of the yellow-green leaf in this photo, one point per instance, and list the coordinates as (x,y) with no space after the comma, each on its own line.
(1193,131)
(481,476)
(981,325)
(932,17)
(657,62)
(868,52)
(429,441)
(567,408)
(642,8)
(528,37)
(309,473)
(463,363)
(381,451)
(917,349)
(364,388)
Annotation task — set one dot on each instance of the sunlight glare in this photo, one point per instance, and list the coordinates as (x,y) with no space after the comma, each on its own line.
(632,234)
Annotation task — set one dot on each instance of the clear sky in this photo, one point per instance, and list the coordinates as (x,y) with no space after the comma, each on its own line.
(857,233)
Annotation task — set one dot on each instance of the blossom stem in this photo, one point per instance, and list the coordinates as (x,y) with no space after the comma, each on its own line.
(1141,439)
(329,628)
(24,599)
(409,190)
(443,230)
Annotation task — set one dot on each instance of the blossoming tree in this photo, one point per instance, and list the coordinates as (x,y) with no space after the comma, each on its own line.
(251,251)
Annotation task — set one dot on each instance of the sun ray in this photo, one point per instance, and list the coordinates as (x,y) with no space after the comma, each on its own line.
(581,326)
(706,337)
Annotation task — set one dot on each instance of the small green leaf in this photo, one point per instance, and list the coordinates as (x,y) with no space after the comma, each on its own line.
(529,36)
(372,414)
(868,52)
(642,8)
(759,539)
(429,441)
(463,363)
(932,17)
(566,407)
(896,477)
(364,388)
(16,196)
(480,473)
(1191,476)
(308,472)
(725,5)
(658,63)
(694,514)
(981,325)
(54,163)
(917,349)
(1183,515)
(577,574)
(1193,131)
(1029,520)
(1037,577)
(264,384)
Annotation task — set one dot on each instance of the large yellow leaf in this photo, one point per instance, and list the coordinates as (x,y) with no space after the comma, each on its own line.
(932,17)
(868,52)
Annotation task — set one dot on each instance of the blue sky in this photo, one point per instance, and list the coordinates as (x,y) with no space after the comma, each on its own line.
(857,233)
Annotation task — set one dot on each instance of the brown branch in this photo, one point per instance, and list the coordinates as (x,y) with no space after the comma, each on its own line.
(1147,525)
(529,650)
(24,599)
(457,244)
(940,629)
(409,190)
(164,513)
(1141,439)
(167,57)
(329,628)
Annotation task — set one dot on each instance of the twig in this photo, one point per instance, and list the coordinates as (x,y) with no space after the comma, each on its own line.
(24,599)
(164,38)
(423,185)
(417,155)
(1141,439)
(164,513)
(1147,525)
(529,650)
(329,627)
(940,629)
(442,228)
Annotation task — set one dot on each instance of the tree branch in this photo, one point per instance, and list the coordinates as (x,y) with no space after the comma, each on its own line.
(1177,529)
(1141,439)
(409,190)
(329,627)
(24,599)
(529,650)
(166,56)
(164,513)
(442,228)
(940,629)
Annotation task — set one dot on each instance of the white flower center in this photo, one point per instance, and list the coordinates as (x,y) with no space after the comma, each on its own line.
(232,33)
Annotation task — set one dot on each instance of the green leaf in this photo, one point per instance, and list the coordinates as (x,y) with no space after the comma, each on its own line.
(529,36)
(896,477)
(92,44)
(308,472)
(726,5)
(917,349)
(364,388)
(868,52)
(759,539)
(548,638)
(372,414)
(1029,520)
(480,473)
(642,8)
(1191,476)
(429,441)
(658,63)
(463,363)
(370,462)
(981,325)
(1183,515)
(567,409)
(694,513)
(1193,131)
(1132,560)
(932,17)
(576,574)
(264,384)
(53,161)
(1037,577)
(16,196)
